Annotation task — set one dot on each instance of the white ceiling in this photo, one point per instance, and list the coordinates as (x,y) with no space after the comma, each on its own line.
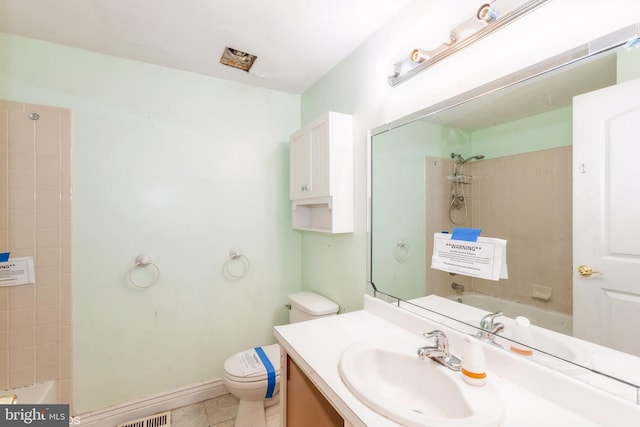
(296,41)
(544,93)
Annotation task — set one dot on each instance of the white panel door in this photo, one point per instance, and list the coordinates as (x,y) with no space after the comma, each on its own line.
(606,216)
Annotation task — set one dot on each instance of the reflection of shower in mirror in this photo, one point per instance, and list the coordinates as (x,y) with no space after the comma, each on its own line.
(458,179)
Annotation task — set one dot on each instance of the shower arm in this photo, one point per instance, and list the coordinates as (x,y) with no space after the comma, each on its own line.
(461,160)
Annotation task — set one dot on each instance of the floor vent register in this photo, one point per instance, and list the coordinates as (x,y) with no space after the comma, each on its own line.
(162,419)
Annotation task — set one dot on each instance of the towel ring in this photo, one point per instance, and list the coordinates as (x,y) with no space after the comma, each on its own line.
(234,255)
(402,250)
(143,260)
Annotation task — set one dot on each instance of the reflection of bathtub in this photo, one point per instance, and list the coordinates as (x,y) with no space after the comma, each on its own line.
(547,319)
(41,393)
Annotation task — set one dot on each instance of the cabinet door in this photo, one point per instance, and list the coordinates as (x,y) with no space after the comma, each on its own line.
(306,406)
(300,165)
(309,162)
(319,167)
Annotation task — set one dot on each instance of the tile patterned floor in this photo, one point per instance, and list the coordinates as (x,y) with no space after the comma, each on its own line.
(218,412)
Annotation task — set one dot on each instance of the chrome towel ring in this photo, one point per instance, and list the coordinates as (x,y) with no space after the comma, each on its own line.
(237,255)
(144,261)
(402,250)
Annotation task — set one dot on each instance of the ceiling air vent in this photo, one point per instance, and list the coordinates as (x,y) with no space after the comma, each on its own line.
(162,419)
(237,59)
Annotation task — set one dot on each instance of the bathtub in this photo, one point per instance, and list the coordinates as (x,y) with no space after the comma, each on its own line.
(547,319)
(41,393)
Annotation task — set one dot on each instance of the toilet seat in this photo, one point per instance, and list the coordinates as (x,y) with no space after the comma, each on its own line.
(235,369)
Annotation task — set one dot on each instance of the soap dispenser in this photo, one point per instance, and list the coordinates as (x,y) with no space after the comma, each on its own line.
(474,367)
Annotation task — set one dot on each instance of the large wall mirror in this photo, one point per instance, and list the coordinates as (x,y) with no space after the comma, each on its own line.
(544,159)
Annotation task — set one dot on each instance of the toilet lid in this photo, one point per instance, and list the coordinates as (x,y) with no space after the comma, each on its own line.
(246,366)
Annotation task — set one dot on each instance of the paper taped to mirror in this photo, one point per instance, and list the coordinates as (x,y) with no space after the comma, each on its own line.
(485,258)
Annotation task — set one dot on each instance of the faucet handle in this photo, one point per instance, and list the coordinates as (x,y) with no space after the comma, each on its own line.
(498,327)
(440,351)
(487,321)
(440,340)
(489,328)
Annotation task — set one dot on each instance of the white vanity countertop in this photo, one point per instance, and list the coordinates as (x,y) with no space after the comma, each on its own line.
(532,395)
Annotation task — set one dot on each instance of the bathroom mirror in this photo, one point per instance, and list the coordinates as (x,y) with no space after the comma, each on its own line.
(500,158)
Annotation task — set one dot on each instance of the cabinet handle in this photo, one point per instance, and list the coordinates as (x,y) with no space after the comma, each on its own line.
(304,187)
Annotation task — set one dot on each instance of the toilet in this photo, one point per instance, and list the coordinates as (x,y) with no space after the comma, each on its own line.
(253,375)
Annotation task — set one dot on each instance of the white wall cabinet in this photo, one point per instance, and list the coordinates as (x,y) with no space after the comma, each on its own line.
(321,175)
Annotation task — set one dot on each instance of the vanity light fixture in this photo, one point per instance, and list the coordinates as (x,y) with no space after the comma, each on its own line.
(489,17)
(237,59)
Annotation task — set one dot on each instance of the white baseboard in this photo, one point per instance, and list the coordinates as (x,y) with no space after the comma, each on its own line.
(114,415)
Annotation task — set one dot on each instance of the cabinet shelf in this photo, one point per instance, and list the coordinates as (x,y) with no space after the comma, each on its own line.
(317,215)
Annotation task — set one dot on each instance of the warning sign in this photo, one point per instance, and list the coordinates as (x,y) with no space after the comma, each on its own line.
(17,271)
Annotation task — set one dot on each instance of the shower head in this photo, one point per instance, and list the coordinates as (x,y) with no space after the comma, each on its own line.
(478,157)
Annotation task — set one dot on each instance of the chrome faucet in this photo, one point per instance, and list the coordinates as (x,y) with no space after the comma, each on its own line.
(457,287)
(489,328)
(439,352)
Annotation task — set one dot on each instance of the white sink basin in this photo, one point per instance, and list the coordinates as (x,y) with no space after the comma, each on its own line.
(391,379)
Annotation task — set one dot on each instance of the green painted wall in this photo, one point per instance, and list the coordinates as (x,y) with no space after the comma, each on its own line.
(539,132)
(628,64)
(398,202)
(180,166)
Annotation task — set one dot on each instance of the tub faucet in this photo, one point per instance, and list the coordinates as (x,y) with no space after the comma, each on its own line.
(439,352)
(489,328)
(457,287)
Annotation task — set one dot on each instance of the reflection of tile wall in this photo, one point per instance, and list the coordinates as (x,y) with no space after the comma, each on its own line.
(527,200)
(437,212)
(35,220)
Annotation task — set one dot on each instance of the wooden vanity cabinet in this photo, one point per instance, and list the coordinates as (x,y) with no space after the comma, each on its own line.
(303,404)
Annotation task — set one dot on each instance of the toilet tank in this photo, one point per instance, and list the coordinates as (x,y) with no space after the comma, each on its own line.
(309,305)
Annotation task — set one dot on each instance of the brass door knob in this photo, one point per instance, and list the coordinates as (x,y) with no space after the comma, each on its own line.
(586,271)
